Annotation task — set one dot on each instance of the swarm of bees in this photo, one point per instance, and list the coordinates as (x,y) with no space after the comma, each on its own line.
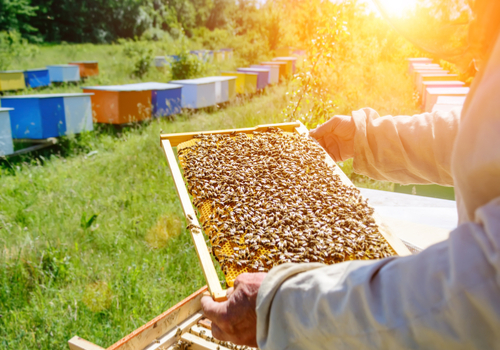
(269,198)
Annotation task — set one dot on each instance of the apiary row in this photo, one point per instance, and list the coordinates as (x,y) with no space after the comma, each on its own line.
(42,116)
(39,77)
(438,89)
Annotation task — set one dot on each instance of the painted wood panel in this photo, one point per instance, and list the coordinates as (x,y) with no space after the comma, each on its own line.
(274,72)
(291,61)
(432,95)
(87,68)
(48,115)
(35,78)
(434,77)
(197,93)
(64,73)
(6,144)
(283,70)
(12,80)
(262,76)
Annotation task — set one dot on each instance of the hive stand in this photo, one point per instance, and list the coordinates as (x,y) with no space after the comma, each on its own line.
(168,141)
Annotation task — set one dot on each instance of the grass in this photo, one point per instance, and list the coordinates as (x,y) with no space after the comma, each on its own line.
(92,237)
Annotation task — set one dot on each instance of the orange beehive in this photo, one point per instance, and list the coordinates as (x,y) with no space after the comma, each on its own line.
(87,68)
(119,104)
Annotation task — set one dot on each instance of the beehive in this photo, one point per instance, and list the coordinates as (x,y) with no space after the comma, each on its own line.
(291,63)
(316,244)
(37,77)
(48,115)
(87,68)
(12,80)
(198,93)
(64,73)
(6,145)
(274,72)
(262,76)
(246,83)
(283,70)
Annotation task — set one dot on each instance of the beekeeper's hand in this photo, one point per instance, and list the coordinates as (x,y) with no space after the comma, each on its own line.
(336,136)
(235,319)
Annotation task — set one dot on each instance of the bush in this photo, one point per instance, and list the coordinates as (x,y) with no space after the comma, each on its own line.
(140,54)
(187,66)
(13,47)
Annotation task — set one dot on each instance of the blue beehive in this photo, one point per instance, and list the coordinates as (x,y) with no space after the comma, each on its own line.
(6,145)
(262,78)
(44,116)
(197,93)
(166,99)
(64,73)
(37,77)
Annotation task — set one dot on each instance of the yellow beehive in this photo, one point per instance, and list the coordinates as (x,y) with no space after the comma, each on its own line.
(12,80)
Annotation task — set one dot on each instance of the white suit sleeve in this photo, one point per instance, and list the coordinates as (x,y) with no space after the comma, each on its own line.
(446,297)
(405,149)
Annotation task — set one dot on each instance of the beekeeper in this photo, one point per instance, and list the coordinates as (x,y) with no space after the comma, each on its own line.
(446,297)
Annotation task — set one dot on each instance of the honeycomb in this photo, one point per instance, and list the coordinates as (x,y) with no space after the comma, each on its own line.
(207,208)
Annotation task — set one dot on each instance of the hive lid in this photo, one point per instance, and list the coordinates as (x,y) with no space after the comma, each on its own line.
(222,78)
(194,81)
(6,109)
(134,87)
(448,90)
(253,69)
(62,65)
(46,96)
(285,58)
(35,69)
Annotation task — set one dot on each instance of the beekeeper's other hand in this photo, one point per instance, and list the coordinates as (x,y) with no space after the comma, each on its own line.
(336,136)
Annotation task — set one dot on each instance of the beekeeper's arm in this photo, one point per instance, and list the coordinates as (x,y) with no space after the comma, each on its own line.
(401,149)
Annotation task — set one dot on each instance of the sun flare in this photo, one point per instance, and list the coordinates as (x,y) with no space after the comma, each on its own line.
(398,7)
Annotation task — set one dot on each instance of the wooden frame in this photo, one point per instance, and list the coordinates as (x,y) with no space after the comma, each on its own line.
(168,141)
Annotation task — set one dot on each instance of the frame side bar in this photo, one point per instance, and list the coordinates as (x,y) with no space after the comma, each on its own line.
(207,265)
(176,139)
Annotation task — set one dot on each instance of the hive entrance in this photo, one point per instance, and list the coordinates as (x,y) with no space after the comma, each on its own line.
(269,198)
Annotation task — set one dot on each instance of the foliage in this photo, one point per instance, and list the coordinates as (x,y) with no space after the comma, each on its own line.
(16,16)
(12,48)
(186,66)
(140,55)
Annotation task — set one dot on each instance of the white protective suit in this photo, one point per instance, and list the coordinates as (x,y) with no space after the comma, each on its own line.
(446,297)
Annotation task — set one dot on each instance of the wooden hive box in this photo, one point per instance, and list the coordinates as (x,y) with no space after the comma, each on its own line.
(420,60)
(225,88)
(434,77)
(228,52)
(219,56)
(432,94)
(414,66)
(12,80)
(433,84)
(120,104)
(262,76)
(246,83)
(64,73)
(161,61)
(448,103)
(291,61)
(35,78)
(418,72)
(166,99)
(185,140)
(197,93)
(283,68)
(6,144)
(274,72)
(51,115)
(87,68)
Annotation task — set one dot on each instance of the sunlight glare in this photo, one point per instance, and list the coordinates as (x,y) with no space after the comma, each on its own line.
(398,7)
